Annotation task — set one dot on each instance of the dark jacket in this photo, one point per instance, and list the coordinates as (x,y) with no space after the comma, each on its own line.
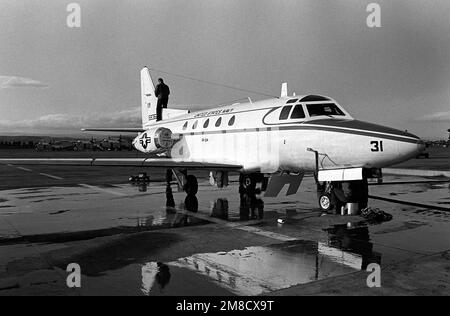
(162,91)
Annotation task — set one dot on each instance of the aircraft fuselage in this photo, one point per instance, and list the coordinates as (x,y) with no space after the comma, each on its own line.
(274,135)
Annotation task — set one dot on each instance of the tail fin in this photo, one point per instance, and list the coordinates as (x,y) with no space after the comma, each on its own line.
(148,98)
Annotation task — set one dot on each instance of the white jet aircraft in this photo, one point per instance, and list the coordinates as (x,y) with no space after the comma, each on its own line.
(273,142)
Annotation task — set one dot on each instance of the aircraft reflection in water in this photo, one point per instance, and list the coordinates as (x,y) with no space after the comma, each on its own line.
(346,250)
(251,206)
(171,216)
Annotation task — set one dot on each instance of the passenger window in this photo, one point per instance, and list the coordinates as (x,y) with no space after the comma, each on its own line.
(195,125)
(285,112)
(298,112)
(218,122)
(205,125)
(231,121)
(185,126)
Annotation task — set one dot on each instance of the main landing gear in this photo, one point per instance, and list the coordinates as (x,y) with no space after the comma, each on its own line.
(191,185)
(187,183)
(251,206)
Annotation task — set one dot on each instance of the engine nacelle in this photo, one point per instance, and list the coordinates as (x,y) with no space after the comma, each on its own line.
(154,141)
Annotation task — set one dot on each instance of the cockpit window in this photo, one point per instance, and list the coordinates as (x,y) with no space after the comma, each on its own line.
(291,101)
(311,98)
(284,114)
(325,109)
(298,112)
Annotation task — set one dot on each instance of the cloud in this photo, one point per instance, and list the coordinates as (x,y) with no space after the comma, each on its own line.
(436,117)
(67,122)
(10,82)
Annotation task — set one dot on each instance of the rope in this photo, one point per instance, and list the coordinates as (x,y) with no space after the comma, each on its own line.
(212,83)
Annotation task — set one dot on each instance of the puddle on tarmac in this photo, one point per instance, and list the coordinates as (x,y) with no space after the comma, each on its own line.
(263,269)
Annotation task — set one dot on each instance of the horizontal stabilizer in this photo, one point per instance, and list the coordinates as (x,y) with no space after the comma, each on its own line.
(171,113)
(115,130)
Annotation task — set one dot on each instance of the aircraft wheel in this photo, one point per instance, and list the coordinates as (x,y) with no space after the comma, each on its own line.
(248,181)
(325,202)
(191,186)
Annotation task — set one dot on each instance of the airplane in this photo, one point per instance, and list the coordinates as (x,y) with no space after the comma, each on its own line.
(272,142)
(58,145)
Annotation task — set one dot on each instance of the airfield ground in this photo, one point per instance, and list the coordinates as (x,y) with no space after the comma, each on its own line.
(127,242)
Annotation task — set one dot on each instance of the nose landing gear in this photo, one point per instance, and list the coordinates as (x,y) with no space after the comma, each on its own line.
(335,195)
(325,202)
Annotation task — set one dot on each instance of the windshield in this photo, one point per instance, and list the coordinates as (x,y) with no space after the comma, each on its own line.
(326,109)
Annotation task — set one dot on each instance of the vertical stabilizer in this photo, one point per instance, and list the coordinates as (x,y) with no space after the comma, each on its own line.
(148,98)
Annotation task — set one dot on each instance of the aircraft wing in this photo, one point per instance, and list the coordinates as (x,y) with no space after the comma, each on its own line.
(121,162)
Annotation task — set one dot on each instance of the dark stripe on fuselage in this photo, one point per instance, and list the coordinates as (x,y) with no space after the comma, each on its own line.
(361,125)
(306,127)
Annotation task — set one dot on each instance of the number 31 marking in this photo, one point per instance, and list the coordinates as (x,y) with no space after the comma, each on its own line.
(376,146)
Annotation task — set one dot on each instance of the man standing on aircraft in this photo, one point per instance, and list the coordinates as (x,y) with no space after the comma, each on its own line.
(162,92)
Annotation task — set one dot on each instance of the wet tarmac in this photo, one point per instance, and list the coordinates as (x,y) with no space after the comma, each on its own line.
(142,240)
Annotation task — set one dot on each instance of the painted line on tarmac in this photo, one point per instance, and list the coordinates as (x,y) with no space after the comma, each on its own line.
(51,176)
(428,206)
(24,169)
(244,226)
(95,188)
(417,172)
(409,182)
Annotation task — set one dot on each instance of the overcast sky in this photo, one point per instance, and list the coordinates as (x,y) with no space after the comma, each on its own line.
(54,78)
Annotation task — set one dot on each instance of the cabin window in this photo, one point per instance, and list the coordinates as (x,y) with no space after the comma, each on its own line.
(285,112)
(205,125)
(218,122)
(325,109)
(185,126)
(195,125)
(298,112)
(231,121)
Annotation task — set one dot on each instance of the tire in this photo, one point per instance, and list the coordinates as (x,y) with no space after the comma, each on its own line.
(191,186)
(248,182)
(325,202)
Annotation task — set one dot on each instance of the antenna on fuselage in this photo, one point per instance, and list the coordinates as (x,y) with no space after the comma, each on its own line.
(284,90)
